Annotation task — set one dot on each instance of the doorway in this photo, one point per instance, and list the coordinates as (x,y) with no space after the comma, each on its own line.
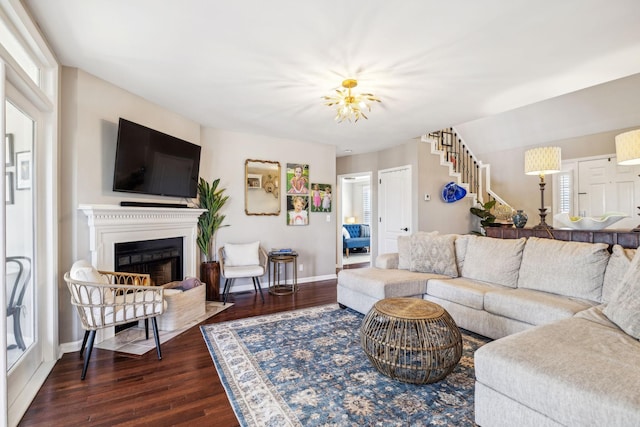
(355,208)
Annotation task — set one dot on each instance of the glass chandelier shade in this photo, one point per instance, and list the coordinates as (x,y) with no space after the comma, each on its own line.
(350,106)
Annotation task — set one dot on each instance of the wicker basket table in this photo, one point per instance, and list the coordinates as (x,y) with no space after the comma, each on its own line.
(411,340)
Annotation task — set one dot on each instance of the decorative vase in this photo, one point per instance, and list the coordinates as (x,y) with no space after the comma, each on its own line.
(520,218)
(210,275)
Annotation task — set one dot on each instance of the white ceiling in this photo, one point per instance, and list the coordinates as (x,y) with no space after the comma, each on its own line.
(263,66)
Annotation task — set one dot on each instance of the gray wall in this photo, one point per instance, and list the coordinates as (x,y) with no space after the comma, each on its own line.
(90,111)
(522,191)
(428,177)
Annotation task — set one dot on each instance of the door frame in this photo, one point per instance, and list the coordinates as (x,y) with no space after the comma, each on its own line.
(340,216)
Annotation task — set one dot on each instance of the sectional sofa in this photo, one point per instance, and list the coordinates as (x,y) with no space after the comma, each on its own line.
(564,352)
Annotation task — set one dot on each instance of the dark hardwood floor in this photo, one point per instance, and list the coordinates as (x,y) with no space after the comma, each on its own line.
(181,389)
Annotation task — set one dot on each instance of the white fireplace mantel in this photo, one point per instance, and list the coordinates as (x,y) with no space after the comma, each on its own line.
(111,224)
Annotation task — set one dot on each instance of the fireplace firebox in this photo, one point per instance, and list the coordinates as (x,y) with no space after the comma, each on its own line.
(160,258)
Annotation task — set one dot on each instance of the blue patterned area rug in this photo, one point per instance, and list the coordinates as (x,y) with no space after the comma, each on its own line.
(306,368)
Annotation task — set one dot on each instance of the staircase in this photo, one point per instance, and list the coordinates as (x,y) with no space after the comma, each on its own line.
(466,169)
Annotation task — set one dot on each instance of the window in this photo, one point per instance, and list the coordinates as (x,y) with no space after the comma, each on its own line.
(565,193)
(366,204)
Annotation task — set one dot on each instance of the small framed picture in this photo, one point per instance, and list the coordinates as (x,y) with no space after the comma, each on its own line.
(8,188)
(23,170)
(297,178)
(298,210)
(320,197)
(8,150)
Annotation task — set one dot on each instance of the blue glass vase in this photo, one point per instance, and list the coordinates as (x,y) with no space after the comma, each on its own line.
(519,218)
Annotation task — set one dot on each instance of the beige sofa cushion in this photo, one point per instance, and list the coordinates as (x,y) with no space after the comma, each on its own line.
(577,372)
(573,269)
(493,260)
(618,265)
(532,307)
(432,253)
(383,283)
(624,307)
(404,252)
(462,241)
(463,291)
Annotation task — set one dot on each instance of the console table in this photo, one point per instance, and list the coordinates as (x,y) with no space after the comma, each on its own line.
(624,238)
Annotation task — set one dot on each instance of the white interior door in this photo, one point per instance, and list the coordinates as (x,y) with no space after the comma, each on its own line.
(394,207)
(605,186)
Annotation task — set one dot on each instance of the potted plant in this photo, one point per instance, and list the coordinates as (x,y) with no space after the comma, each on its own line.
(483,211)
(212,200)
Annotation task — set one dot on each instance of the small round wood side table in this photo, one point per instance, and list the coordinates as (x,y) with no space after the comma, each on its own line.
(411,340)
(276,286)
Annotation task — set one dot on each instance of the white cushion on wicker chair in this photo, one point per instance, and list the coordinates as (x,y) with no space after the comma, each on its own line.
(241,254)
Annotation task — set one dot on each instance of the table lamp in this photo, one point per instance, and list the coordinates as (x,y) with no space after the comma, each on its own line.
(628,151)
(542,161)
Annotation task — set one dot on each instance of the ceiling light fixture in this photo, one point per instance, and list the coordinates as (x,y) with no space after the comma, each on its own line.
(350,106)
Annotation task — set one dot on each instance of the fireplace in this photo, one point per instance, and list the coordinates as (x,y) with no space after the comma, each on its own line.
(112,225)
(159,258)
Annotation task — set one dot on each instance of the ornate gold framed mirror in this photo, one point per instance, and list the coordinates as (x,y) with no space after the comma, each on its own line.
(261,187)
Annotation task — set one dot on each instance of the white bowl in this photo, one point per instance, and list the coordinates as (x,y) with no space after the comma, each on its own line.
(590,223)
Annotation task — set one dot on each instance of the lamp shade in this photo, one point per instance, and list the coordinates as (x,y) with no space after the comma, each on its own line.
(628,148)
(542,161)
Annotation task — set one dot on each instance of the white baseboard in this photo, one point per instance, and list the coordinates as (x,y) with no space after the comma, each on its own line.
(243,287)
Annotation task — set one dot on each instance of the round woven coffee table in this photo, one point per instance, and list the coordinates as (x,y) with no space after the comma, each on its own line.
(411,340)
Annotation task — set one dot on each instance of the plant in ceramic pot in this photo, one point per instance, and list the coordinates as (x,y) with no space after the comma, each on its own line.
(212,200)
(487,218)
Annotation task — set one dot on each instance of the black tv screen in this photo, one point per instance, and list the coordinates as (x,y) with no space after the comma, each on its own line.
(152,162)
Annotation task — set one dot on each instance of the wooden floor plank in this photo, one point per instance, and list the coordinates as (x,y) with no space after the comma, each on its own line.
(181,389)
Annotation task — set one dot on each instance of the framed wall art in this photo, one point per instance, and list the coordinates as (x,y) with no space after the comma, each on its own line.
(8,150)
(23,170)
(320,197)
(8,188)
(297,178)
(298,210)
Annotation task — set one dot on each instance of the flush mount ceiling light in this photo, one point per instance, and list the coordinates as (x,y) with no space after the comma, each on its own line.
(350,106)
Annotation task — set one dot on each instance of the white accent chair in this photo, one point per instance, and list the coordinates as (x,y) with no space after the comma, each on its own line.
(242,260)
(106,299)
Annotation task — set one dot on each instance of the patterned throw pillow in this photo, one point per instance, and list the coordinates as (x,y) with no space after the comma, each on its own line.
(364,230)
(434,254)
(624,307)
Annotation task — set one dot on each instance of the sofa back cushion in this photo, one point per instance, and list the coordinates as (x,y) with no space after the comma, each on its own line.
(493,260)
(353,229)
(619,263)
(404,252)
(462,240)
(572,269)
(432,253)
(624,307)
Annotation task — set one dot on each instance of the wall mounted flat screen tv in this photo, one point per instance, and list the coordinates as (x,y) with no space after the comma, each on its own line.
(152,162)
